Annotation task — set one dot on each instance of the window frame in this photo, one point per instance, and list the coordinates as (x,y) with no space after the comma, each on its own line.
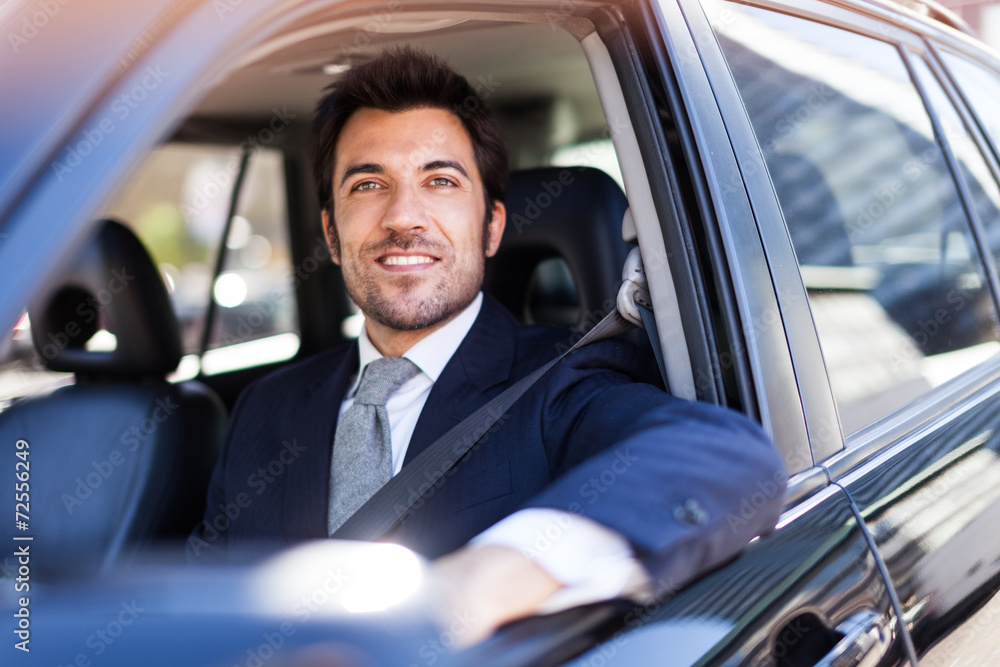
(717,159)
(974,123)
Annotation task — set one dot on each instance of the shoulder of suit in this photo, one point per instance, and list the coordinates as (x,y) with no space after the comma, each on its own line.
(538,344)
(617,356)
(305,373)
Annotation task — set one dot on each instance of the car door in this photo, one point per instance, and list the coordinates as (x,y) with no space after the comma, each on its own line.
(976,80)
(887,199)
(933,500)
(813,589)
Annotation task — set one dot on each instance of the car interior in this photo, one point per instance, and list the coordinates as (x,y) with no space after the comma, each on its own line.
(221,227)
(142,447)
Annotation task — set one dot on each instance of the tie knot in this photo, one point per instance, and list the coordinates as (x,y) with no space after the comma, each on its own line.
(382,377)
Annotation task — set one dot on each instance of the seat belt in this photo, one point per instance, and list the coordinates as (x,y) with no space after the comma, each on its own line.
(393,502)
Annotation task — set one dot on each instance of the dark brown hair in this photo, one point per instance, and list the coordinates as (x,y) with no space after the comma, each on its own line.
(399,80)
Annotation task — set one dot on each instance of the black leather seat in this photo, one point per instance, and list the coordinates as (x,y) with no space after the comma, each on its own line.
(572,214)
(121,457)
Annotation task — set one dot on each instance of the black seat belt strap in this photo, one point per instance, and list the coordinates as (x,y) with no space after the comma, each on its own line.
(393,502)
(652,333)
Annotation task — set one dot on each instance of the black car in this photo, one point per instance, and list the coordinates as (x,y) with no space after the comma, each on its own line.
(814,190)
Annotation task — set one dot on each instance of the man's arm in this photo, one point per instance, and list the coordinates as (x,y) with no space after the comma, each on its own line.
(505,573)
(675,485)
(672,483)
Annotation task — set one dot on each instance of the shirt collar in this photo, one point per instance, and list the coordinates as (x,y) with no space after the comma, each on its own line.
(432,352)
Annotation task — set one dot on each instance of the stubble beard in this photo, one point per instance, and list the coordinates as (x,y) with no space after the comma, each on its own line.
(410,311)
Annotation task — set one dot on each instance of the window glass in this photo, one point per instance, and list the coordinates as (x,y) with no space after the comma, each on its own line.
(178,204)
(254,292)
(21,370)
(975,171)
(896,287)
(599,154)
(981,88)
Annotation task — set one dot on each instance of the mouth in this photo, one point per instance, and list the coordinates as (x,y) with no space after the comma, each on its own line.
(406,261)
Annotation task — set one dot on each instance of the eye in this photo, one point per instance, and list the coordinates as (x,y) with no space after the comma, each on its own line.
(365,185)
(443,181)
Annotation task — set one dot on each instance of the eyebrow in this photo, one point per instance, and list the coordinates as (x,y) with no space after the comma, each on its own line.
(442,164)
(366,168)
(372,168)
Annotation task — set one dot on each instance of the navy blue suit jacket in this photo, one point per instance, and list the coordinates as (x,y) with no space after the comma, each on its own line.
(668,474)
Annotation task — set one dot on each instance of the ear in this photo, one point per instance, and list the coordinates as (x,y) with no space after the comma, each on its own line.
(495,228)
(332,239)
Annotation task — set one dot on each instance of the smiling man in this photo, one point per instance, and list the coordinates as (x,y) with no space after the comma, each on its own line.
(411,182)
(406,187)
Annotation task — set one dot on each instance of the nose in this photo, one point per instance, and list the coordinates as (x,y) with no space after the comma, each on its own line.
(405,212)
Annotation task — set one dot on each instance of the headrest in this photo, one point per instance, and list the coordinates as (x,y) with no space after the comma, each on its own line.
(571,213)
(111,284)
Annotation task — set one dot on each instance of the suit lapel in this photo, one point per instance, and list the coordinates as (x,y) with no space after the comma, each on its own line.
(482,362)
(307,501)
(474,374)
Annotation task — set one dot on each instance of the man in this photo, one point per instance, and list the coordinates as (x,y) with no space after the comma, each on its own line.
(633,484)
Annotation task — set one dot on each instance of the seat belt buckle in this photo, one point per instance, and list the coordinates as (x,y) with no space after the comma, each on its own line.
(634,291)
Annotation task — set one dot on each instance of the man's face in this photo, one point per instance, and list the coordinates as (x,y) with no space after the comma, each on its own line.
(408,207)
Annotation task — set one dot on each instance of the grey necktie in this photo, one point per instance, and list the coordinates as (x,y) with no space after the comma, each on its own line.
(362,446)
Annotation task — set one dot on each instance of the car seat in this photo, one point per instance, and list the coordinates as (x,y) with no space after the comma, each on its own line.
(561,258)
(122,457)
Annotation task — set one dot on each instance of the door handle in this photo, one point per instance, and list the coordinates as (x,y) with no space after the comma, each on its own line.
(865,642)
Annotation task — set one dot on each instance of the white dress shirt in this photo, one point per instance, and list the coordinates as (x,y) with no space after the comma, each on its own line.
(592,561)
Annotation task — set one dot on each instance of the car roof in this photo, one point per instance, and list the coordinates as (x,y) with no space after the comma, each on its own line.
(930,9)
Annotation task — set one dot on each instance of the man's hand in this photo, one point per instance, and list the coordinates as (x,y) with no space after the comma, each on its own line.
(489,586)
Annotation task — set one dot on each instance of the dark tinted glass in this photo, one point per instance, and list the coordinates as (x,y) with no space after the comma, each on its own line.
(896,287)
(982,88)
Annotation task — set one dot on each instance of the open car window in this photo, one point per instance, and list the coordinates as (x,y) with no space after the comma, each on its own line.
(179,197)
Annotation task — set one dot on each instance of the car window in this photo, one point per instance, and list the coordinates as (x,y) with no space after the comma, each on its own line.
(177,204)
(981,88)
(896,288)
(982,187)
(598,153)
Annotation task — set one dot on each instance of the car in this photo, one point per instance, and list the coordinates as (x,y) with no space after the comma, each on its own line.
(813,187)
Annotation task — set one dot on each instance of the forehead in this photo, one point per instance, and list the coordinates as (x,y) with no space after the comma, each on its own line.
(405,139)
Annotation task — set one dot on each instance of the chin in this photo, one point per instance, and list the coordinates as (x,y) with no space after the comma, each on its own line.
(421,311)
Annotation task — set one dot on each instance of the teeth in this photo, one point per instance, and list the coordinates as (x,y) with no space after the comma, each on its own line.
(403,260)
